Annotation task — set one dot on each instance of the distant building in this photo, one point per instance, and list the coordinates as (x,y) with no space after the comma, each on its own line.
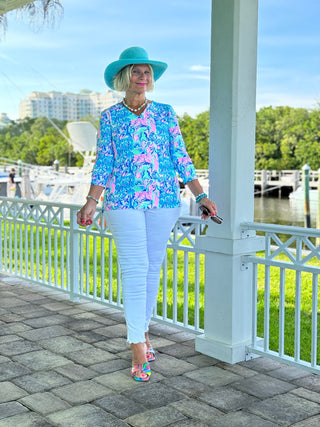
(4,120)
(66,106)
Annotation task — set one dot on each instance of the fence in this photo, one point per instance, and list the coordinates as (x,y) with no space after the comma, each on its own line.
(285,295)
(42,242)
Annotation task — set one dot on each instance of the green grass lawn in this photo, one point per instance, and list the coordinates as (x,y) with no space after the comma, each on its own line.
(305,310)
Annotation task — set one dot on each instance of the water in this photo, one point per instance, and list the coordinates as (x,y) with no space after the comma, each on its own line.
(272,210)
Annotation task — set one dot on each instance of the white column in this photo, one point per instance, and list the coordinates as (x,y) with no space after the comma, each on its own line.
(228,288)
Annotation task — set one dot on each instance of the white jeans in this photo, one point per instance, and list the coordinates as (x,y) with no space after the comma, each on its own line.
(141,237)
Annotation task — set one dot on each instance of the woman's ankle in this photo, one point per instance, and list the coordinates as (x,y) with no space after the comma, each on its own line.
(138,353)
(148,344)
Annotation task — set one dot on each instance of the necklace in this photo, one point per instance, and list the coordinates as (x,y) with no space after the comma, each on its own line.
(134,109)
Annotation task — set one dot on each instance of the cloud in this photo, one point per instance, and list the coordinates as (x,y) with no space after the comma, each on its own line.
(188,76)
(199,77)
(204,68)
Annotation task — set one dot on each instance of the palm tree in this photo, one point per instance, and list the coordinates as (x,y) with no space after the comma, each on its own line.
(39,12)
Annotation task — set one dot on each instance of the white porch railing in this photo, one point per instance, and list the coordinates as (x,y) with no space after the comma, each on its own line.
(42,242)
(285,294)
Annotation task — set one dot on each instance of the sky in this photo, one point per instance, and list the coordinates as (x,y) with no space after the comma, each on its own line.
(73,54)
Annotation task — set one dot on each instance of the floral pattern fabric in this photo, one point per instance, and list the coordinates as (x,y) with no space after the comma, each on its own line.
(138,158)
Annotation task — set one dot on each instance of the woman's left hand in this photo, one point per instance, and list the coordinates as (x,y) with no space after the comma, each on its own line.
(211,207)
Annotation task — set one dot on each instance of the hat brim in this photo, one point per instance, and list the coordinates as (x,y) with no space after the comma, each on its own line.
(112,69)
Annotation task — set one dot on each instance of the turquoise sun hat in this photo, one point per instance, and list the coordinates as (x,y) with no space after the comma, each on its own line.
(133,55)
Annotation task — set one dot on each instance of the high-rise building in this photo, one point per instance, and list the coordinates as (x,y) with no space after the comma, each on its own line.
(66,106)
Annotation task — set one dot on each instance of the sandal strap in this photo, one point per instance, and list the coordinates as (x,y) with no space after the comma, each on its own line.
(151,350)
(151,354)
(144,370)
(143,367)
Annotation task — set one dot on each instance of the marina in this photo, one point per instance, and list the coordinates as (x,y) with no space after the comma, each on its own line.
(282,182)
(279,196)
(46,184)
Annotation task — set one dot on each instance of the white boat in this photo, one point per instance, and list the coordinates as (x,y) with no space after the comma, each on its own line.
(70,188)
(47,184)
(298,194)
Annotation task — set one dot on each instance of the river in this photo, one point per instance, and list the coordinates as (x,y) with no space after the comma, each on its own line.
(272,210)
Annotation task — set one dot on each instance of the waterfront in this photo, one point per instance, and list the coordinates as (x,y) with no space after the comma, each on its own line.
(273,210)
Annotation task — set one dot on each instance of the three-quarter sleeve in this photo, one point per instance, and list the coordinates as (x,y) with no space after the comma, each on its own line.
(105,155)
(179,156)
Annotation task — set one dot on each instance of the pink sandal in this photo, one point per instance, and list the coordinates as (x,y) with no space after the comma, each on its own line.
(151,354)
(143,369)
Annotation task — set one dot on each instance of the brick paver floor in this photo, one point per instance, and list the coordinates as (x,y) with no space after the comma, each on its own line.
(68,364)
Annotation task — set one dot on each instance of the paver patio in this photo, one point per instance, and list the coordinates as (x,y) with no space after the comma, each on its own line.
(68,364)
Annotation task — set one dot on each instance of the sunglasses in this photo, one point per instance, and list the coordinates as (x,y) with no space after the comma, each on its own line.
(215,218)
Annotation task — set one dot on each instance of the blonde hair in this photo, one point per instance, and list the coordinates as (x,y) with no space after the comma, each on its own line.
(121,81)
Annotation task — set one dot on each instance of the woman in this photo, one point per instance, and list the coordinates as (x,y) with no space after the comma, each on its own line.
(139,152)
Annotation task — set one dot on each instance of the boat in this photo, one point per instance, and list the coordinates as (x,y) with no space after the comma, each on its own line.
(298,195)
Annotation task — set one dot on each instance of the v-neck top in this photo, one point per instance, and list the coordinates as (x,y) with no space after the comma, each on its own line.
(138,158)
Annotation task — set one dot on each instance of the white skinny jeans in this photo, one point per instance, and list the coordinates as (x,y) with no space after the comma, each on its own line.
(141,237)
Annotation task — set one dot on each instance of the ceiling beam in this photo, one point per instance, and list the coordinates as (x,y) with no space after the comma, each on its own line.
(7,5)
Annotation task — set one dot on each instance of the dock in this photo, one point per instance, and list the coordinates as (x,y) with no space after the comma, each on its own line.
(274,182)
(281,182)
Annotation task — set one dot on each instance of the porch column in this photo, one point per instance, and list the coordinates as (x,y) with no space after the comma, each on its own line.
(228,283)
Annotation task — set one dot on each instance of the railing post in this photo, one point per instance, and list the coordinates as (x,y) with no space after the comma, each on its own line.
(318,213)
(56,165)
(228,290)
(296,180)
(74,257)
(264,182)
(306,178)
(25,184)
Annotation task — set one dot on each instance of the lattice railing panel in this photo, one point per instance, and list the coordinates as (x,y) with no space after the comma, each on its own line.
(285,294)
(42,242)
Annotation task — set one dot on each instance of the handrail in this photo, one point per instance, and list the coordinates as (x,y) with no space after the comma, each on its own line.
(285,280)
(42,242)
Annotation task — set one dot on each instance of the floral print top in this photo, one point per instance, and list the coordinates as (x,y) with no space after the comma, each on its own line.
(138,158)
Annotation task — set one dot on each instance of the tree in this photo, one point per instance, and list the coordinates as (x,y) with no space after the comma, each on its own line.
(267,145)
(38,12)
(308,147)
(287,138)
(195,133)
(36,141)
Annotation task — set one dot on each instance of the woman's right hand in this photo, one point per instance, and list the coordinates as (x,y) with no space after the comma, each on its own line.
(86,213)
(210,206)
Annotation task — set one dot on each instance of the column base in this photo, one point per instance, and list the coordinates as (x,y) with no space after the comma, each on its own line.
(224,352)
